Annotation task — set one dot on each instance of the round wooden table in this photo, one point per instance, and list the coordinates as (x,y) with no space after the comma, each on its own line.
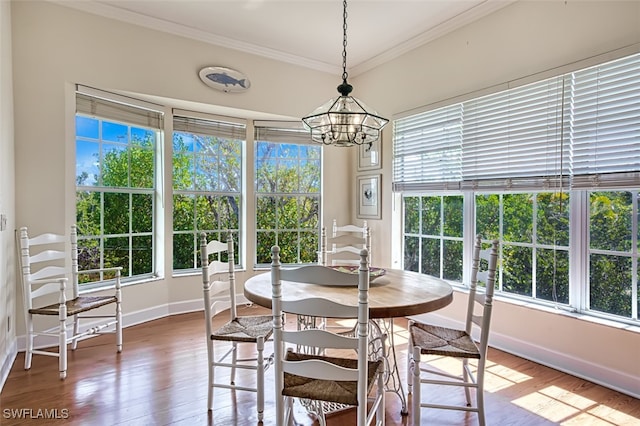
(396,293)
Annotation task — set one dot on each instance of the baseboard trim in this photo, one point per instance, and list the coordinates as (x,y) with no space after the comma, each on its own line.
(7,363)
(604,376)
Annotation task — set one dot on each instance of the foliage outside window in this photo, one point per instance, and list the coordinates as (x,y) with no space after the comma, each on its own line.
(115,164)
(433,235)
(207,189)
(534,240)
(613,252)
(288,182)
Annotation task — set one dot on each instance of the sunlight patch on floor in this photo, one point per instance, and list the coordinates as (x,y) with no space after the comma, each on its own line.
(498,377)
(604,415)
(568,408)
(546,406)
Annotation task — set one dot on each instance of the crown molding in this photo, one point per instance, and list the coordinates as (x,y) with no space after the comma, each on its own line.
(485,8)
(452,24)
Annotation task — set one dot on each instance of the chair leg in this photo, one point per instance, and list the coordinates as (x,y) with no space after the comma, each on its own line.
(210,358)
(28,355)
(409,360)
(380,418)
(62,345)
(260,378)
(415,398)
(234,358)
(76,330)
(282,411)
(287,417)
(118,326)
(465,378)
(480,393)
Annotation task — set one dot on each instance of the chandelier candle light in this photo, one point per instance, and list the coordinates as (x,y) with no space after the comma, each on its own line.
(345,120)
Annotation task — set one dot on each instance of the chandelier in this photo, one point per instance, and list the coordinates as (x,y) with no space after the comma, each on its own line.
(345,120)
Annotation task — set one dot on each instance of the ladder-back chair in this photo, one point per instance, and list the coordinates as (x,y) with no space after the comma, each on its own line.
(426,339)
(44,282)
(327,369)
(343,246)
(254,330)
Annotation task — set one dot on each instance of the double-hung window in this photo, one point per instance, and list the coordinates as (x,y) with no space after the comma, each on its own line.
(207,184)
(117,140)
(288,188)
(551,169)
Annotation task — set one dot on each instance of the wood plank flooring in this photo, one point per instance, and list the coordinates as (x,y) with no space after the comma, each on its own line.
(160,378)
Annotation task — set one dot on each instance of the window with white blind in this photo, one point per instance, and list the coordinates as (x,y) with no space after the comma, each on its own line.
(117,139)
(551,169)
(288,185)
(207,183)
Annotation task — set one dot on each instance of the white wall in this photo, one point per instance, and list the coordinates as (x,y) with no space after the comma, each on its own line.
(7,201)
(55,47)
(522,39)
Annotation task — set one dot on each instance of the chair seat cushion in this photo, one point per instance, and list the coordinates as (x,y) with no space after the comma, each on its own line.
(245,329)
(75,306)
(326,390)
(435,340)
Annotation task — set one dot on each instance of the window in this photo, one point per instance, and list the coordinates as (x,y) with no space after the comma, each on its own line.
(433,235)
(534,234)
(207,185)
(613,253)
(288,184)
(551,169)
(116,145)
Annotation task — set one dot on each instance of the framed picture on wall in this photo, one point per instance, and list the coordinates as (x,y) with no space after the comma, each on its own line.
(369,156)
(368,197)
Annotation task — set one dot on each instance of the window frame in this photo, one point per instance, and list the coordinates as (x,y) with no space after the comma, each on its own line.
(217,127)
(282,134)
(103,107)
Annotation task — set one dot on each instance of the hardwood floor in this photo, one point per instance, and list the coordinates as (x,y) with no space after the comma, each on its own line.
(160,378)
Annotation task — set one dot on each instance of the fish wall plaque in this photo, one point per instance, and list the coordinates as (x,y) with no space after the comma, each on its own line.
(224,79)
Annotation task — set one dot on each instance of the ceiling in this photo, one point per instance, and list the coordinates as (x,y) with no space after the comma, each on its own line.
(302,32)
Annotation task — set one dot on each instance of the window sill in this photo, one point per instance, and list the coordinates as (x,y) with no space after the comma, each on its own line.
(110,287)
(560,310)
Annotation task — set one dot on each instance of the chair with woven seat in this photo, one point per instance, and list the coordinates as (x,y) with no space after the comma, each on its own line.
(344,245)
(332,368)
(44,279)
(254,330)
(426,339)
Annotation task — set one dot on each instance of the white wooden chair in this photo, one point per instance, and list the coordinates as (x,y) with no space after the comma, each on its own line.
(322,374)
(254,330)
(344,245)
(425,339)
(44,279)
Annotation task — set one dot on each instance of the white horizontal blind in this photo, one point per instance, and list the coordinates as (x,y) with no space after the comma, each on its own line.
(118,111)
(605,124)
(221,129)
(427,150)
(284,132)
(515,135)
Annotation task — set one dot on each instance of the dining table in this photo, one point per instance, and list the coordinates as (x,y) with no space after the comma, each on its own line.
(393,293)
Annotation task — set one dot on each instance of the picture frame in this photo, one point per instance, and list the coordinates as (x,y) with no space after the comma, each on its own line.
(369,156)
(369,197)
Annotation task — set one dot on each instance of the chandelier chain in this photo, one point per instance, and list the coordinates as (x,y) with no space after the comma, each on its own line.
(344,42)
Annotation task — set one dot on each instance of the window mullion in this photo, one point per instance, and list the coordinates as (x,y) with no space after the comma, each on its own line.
(579,250)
